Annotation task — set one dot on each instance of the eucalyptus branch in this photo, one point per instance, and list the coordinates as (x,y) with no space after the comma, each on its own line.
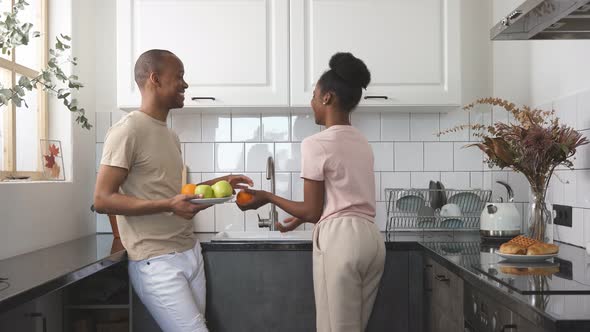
(13,34)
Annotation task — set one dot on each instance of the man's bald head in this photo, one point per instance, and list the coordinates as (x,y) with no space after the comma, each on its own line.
(149,62)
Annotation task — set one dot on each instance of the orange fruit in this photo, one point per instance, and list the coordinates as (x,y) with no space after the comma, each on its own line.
(188,189)
(244,197)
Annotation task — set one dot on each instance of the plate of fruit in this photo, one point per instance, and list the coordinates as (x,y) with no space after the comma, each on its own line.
(218,193)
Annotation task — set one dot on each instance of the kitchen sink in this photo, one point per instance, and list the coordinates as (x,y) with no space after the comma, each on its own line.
(263,236)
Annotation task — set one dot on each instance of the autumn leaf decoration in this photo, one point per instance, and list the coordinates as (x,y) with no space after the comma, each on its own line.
(50,160)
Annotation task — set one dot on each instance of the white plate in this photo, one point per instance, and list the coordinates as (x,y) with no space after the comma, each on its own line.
(525,258)
(211,200)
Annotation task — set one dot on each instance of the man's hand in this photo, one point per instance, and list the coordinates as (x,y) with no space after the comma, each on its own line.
(259,198)
(239,181)
(180,206)
(289,224)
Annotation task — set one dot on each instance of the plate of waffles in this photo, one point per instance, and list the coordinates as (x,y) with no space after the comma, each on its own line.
(526,250)
(525,258)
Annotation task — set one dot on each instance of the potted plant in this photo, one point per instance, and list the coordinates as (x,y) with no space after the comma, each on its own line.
(534,145)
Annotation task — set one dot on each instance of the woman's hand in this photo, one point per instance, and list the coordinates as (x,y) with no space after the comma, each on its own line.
(288,225)
(259,198)
(239,181)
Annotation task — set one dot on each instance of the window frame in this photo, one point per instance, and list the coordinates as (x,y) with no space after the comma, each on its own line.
(8,168)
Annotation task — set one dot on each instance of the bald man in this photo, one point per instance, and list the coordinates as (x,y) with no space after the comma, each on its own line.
(139,179)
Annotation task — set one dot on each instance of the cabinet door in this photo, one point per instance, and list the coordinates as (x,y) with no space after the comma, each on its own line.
(235,53)
(410,47)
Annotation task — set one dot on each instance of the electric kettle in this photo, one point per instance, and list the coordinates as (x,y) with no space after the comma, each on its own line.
(501,219)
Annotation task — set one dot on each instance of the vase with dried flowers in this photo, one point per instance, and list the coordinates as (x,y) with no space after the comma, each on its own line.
(534,144)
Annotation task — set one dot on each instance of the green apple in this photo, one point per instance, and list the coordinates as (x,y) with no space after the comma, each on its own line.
(222,189)
(205,190)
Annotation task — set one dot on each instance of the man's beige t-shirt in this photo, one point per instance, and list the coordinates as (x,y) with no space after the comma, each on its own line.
(151,154)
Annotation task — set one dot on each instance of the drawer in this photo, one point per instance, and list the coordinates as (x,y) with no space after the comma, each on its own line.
(447,290)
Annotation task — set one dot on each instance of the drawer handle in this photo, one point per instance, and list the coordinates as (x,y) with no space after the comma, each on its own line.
(201,98)
(376,97)
(442,277)
(509,327)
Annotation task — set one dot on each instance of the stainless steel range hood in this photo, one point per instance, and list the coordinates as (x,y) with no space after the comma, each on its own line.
(545,19)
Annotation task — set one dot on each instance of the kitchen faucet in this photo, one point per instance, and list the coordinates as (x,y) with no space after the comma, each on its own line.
(273,215)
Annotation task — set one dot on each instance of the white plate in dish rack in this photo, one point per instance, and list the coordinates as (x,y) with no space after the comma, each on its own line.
(525,258)
(211,200)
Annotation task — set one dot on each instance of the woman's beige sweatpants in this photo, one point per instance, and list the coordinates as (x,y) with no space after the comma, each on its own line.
(348,261)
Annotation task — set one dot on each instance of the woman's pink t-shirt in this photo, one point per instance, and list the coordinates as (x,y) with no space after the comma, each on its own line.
(342,158)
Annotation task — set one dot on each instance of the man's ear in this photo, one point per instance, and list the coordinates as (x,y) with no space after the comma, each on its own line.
(154,79)
(327,98)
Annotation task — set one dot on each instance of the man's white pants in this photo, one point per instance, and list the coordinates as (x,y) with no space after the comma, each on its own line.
(172,287)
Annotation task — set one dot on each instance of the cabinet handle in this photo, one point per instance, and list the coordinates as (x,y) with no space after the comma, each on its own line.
(200,98)
(509,327)
(38,315)
(376,97)
(442,277)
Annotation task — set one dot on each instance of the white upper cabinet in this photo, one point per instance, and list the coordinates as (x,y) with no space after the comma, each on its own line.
(235,53)
(411,47)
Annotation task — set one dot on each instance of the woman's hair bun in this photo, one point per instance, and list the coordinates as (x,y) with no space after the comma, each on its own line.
(350,69)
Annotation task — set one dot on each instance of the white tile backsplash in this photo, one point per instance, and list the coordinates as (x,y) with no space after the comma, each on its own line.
(228,217)
(422,180)
(395,127)
(407,154)
(368,123)
(229,157)
(438,156)
(245,128)
(216,127)
(392,180)
(187,127)
(204,221)
(275,128)
(302,126)
(467,159)
(257,155)
(383,154)
(451,120)
(288,157)
(424,127)
(409,157)
(455,180)
(199,157)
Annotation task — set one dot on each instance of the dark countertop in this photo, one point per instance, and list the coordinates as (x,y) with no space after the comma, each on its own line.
(40,272)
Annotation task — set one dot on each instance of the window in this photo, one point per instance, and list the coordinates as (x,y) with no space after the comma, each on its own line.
(21,128)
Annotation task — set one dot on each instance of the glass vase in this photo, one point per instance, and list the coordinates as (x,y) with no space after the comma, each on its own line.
(540,222)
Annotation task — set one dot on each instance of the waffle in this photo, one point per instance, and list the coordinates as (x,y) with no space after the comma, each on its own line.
(523,241)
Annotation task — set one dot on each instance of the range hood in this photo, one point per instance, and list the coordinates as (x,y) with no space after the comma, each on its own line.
(545,19)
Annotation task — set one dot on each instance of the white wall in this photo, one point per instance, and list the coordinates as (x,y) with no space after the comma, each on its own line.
(37,215)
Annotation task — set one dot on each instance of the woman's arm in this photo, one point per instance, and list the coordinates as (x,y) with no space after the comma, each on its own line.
(310,210)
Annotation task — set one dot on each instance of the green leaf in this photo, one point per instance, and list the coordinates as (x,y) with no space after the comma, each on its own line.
(66,37)
(23,80)
(19,90)
(62,96)
(36,34)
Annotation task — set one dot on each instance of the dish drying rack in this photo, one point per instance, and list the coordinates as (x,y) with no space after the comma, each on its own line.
(404,209)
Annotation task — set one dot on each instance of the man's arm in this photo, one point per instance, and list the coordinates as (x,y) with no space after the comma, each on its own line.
(108,200)
(236,181)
